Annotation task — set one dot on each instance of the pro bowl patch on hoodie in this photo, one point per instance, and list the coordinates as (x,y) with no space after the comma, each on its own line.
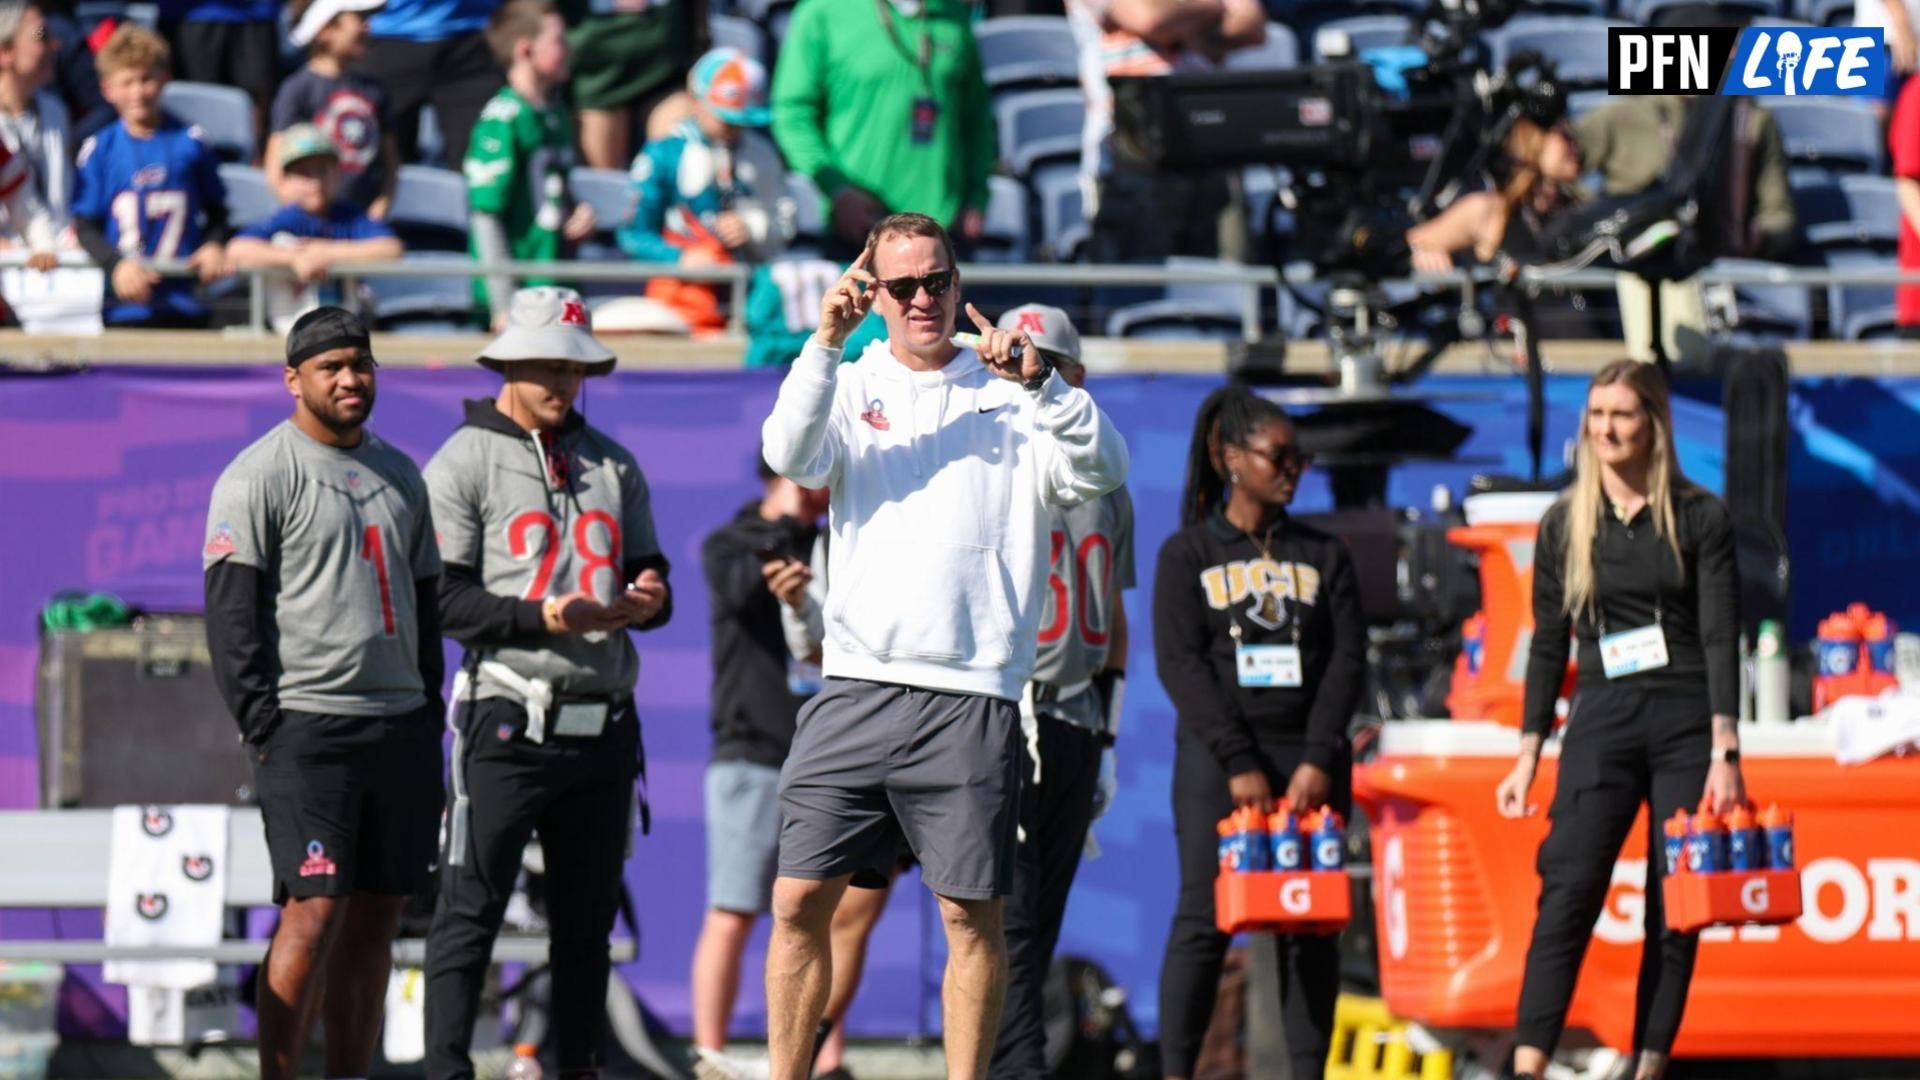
(876,415)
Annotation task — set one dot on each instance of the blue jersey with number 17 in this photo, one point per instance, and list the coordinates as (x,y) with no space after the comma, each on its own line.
(151,197)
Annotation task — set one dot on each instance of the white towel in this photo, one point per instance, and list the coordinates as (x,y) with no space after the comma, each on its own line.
(1865,728)
(166,885)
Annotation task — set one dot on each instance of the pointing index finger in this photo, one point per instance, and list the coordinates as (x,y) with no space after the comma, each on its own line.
(979,320)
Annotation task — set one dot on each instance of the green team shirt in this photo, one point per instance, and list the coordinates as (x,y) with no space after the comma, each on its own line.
(516,168)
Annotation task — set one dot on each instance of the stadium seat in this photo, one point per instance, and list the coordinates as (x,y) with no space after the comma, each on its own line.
(431,142)
(223,113)
(1576,45)
(1281,50)
(1027,50)
(1189,310)
(1774,310)
(1646,11)
(1038,126)
(1871,220)
(430,209)
(1840,133)
(608,191)
(1364,32)
(1005,238)
(739,33)
(1064,228)
(249,199)
(1817,198)
(1861,312)
(400,303)
(1825,12)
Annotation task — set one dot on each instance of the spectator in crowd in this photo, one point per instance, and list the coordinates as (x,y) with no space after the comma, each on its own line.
(758,569)
(433,51)
(522,149)
(349,107)
(1904,141)
(1069,717)
(34,123)
(1540,171)
(148,188)
(1632,143)
(629,62)
(783,307)
(313,230)
(1897,19)
(75,81)
(231,42)
(884,107)
(1137,215)
(696,201)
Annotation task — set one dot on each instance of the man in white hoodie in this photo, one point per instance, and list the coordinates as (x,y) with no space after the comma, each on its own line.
(943,462)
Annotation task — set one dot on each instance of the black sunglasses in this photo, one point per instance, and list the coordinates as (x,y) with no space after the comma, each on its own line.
(904,289)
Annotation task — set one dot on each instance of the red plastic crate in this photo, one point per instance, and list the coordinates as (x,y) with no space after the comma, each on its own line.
(1289,902)
(1731,897)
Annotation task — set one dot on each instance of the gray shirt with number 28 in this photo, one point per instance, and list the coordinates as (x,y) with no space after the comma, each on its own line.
(341,535)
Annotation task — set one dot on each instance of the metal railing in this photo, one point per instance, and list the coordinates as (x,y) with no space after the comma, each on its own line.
(1252,280)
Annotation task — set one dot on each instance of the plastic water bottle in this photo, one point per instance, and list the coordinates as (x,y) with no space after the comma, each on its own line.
(1878,632)
(1772,677)
(1706,843)
(1778,825)
(526,1063)
(1283,832)
(1676,841)
(1745,848)
(1329,845)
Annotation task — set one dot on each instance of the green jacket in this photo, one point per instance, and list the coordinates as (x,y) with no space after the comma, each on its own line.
(1630,141)
(843,102)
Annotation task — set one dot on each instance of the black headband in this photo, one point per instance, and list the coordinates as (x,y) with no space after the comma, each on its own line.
(344,341)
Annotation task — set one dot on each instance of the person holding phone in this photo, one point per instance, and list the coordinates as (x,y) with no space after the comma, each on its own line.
(548,526)
(1636,562)
(1260,642)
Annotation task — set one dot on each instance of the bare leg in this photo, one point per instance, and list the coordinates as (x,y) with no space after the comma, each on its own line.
(799,971)
(1529,1060)
(606,138)
(358,966)
(1652,1066)
(975,984)
(291,985)
(716,974)
(853,922)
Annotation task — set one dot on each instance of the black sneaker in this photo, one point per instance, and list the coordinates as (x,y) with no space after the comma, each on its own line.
(840,1072)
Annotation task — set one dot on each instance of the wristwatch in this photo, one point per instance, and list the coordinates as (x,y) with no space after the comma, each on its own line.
(1729,755)
(1033,385)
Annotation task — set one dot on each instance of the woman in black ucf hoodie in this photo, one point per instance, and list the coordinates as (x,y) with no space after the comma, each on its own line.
(1259,640)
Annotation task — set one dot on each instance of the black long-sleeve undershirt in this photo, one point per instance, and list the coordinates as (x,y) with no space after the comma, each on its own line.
(244,668)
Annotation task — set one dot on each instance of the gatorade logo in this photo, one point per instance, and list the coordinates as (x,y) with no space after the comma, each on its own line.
(1296,897)
(1841,900)
(1328,853)
(1753,895)
(1393,884)
(1288,854)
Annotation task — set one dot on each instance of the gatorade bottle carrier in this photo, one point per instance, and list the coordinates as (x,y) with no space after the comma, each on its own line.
(1855,656)
(1455,894)
(1248,897)
(1722,892)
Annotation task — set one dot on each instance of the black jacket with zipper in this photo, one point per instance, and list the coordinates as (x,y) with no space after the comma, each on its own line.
(753,709)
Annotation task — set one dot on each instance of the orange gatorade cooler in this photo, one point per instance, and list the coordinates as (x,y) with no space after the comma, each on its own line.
(1455,892)
(1489,674)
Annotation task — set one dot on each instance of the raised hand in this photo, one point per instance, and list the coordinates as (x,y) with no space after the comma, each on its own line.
(848,302)
(1007,353)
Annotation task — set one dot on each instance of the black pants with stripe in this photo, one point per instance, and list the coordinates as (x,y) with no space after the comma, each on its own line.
(1196,949)
(1623,747)
(1054,815)
(577,793)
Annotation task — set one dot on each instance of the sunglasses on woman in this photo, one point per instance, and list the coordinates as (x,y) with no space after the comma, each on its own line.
(905,289)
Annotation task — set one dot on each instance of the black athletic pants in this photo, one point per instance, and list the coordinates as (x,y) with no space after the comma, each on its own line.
(1190,971)
(1623,747)
(578,794)
(1054,816)
(458,76)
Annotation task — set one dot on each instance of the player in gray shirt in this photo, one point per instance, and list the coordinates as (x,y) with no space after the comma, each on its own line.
(321,583)
(547,529)
(1069,715)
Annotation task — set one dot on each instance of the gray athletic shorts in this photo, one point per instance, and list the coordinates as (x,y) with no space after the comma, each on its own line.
(743,835)
(874,764)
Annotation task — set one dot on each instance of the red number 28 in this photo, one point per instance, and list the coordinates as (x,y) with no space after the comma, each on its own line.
(521,544)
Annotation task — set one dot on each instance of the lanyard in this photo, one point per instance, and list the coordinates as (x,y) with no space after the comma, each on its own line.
(1266,553)
(924,60)
(1599,601)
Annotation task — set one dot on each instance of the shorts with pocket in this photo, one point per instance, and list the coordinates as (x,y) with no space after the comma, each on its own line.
(743,835)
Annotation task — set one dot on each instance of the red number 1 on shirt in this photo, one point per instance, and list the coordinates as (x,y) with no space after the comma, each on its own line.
(375,552)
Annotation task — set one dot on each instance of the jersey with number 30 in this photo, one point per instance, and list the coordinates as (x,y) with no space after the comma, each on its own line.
(342,535)
(152,196)
(568,514)
(1091,549)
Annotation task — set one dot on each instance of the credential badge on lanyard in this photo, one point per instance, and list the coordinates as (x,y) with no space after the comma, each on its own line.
(1630,652)
(1266,665)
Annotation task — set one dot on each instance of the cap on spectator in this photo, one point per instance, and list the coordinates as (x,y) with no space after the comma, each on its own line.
(302,141)
(325,329)
(733,85)
(547,322)
(321,12)
(1047,327)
